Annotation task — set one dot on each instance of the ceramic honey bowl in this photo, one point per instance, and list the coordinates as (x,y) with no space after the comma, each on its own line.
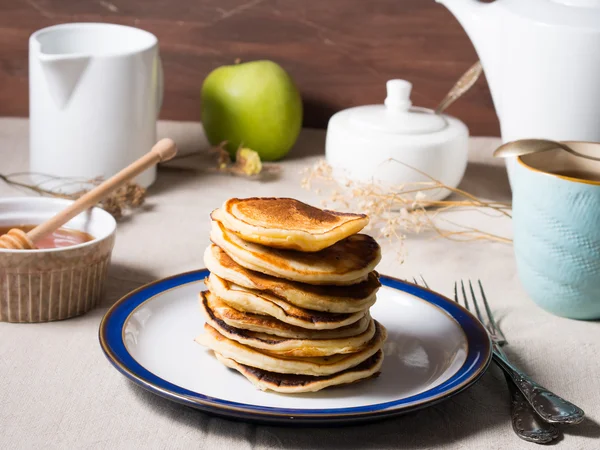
(57,282)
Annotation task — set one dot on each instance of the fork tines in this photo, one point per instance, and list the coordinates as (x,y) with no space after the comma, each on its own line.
(490,323)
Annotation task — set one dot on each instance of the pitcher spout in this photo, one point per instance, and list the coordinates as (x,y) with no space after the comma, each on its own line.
(62,73)
(481,21)
(61,67)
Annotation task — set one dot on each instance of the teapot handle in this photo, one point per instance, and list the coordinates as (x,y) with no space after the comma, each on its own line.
(159,86)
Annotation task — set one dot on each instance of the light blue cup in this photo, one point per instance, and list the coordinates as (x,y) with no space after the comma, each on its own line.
(556,222)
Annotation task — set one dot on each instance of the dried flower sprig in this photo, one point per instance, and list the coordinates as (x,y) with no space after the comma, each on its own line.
(247,162)
(396,211)
(119,203)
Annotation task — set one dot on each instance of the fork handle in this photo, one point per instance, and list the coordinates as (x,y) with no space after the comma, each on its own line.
(525,422)
(548,405)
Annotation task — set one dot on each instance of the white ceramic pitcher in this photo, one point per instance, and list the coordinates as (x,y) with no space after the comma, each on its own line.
(95,90)
(542,62)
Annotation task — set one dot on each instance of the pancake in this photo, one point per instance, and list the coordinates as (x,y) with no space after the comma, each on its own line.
(336,299)
(296,384)
(314,366)
(285,346)
(287,223)
(345,263)
(256,302)
(271,326)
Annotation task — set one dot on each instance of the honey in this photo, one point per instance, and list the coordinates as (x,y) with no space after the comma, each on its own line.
(63,237)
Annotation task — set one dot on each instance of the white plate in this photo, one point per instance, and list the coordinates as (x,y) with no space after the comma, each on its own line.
(434,349)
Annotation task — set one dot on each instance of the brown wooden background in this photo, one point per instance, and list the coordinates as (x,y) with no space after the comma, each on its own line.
(340,52)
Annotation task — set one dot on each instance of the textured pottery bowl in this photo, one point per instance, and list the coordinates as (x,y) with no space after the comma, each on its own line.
(556,222)
(59,283)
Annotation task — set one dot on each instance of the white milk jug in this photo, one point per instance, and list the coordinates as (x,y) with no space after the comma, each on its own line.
(95,91)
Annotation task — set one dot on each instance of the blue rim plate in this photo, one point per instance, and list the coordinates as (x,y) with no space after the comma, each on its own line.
(477,358)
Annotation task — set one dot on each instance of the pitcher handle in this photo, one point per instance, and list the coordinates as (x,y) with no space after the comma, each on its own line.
(159,86)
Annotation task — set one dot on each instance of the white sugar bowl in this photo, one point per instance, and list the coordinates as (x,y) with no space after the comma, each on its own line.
(396,143)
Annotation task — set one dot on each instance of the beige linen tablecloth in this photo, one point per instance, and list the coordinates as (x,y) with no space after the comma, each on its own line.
(57,390)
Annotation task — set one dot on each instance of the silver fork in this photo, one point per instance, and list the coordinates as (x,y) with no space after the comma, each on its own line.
(548,405)
(525,422)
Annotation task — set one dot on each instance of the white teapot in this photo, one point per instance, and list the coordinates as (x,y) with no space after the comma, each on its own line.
(542,62)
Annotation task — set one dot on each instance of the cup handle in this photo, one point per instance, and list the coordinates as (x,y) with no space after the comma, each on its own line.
(159,85)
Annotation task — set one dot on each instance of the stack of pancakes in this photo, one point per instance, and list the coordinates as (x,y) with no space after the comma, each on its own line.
(290,289)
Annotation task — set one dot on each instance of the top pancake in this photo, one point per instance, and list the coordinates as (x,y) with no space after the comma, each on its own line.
(287,223)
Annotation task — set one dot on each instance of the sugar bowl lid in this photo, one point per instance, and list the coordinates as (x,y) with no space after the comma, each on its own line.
(396,115)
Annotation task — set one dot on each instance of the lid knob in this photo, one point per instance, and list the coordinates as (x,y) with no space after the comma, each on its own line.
(398,95)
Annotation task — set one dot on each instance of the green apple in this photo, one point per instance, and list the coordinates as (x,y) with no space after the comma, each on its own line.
(254,104)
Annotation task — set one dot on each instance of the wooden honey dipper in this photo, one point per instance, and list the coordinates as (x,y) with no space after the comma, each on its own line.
(17,239)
